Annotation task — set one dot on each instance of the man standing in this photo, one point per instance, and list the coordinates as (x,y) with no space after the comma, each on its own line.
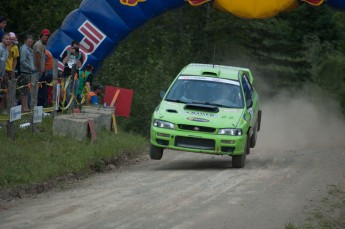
(71,57)
(39,56)
(2,26)
(27,69)
(3,76)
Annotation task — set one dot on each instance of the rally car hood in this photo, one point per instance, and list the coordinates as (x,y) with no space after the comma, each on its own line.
(200,115)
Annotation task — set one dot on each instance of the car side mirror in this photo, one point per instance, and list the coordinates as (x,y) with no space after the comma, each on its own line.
(249,102)
(161,94)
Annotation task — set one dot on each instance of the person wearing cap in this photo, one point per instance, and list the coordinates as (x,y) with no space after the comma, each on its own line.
(13,54)
(39,60)
(2,26)
(92,97)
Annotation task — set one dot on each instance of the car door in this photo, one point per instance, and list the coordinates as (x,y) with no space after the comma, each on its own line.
(251,98)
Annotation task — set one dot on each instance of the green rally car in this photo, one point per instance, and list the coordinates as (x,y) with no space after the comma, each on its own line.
(211,109)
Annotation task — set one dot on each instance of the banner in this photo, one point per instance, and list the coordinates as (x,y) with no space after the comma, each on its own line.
(100,25)
(123,100)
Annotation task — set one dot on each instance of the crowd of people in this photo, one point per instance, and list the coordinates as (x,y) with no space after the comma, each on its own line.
(32,59)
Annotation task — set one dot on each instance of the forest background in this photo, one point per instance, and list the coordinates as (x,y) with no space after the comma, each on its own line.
(287,52)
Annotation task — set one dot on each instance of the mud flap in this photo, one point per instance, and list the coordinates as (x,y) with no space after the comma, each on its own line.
(259,120)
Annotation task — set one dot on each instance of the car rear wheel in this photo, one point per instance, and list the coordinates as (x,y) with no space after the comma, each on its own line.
(156,153)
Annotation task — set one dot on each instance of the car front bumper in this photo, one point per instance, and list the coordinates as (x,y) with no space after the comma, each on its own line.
(208,143)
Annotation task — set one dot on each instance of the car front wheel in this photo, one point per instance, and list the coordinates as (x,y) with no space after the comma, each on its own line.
(156,153)
(239,160)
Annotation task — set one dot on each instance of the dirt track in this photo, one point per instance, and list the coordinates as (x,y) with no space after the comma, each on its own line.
(186,190)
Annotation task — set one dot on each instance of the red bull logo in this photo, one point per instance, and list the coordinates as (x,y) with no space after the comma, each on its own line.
(93,37)
(131,2)
(197,2)
(314,2)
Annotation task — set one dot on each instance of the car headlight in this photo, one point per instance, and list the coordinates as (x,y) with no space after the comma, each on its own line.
(231,131)
(163,124)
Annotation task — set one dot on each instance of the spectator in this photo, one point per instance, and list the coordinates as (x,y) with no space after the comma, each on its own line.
(3,75)
(93,95)
(85,80)
(27,69)
(69,58)
(17,69)
(2,26)
(39,60)
(49,76)
(13,54)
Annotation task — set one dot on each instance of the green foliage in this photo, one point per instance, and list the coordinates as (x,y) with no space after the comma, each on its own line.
(31,16)
(300,47)
(330,76)
(38,157)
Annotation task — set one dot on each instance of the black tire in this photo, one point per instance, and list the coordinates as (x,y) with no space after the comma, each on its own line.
(254,136)
(238,161)
(156,153)
(259,120)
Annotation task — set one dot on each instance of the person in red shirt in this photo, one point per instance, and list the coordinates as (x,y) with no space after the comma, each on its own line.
(49,76)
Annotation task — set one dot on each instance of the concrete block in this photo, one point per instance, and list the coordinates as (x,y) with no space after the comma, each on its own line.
(76,125)
(105,113)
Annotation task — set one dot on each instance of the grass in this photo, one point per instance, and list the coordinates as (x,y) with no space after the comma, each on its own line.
(35,158)
(327,213)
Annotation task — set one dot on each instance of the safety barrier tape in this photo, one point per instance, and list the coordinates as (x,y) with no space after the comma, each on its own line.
(50,109)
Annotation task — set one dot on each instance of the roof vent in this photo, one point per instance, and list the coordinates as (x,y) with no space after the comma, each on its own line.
(209,73)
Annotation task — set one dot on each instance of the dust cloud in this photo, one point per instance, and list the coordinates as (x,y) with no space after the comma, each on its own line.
(300,120)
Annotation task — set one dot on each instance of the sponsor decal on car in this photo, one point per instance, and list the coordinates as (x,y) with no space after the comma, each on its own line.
(232,110)
(197,119)
(194,113)
(211,79)
(172,104)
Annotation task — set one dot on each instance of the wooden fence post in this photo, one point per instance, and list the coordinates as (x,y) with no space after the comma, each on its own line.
(34,94)
(55,82)
(11,102)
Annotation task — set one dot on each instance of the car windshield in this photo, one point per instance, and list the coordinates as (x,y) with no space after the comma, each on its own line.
(206,90)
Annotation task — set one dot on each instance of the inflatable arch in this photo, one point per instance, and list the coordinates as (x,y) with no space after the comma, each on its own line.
(99,25)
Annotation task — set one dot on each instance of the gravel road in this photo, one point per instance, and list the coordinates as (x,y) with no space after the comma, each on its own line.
(185,190)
